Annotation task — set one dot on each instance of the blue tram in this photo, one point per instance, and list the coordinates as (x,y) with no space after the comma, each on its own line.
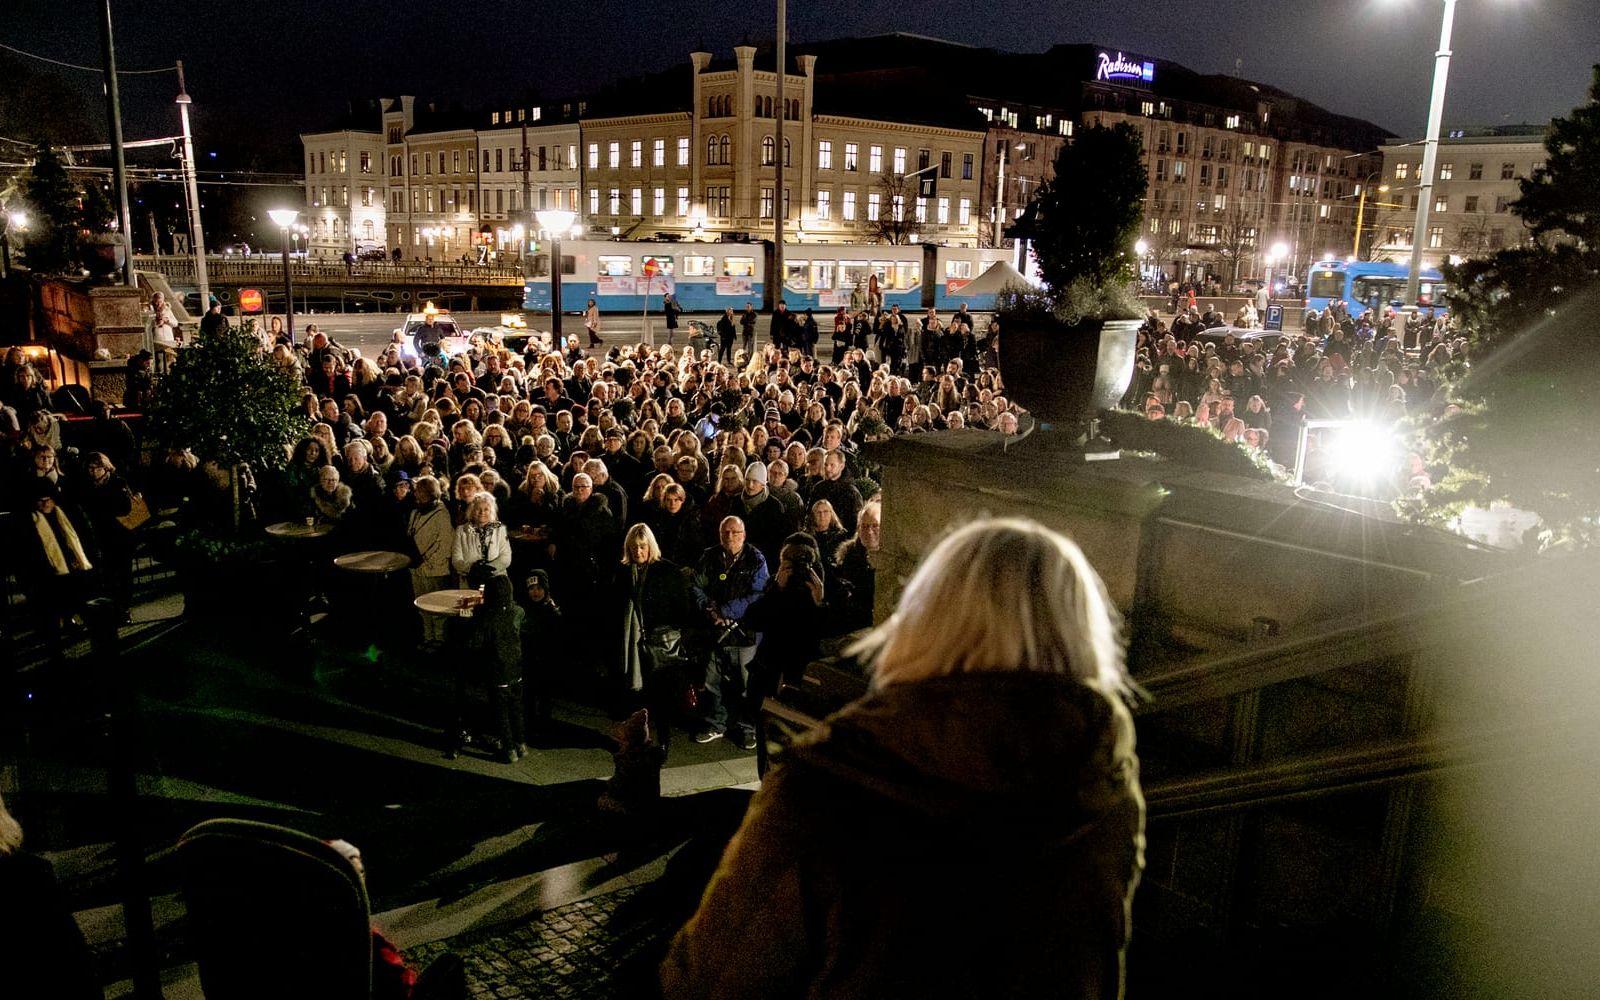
(621,276)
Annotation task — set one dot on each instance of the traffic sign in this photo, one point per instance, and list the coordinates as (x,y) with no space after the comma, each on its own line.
(1275,318)
(652,267)
(251,300)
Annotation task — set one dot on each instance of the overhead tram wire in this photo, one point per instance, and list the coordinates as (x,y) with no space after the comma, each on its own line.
(87,69)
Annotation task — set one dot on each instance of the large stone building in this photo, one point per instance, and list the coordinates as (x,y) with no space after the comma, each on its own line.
(886,139)
(1234,166)
(344,184)
(1475,182)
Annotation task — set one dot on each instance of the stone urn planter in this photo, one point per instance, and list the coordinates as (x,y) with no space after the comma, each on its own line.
(1067,374)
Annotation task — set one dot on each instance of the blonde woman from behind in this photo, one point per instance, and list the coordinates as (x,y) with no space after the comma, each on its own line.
(972,827)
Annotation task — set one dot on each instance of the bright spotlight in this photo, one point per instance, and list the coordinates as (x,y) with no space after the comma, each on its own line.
(1362,452)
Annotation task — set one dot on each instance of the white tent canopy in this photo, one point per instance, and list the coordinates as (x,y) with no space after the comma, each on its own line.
(995,280)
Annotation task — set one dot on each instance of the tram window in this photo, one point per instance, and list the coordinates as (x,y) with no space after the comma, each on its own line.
(795,273)
(958,269)
(614,266)
(854,272)
(698,265)
(822,274)
(739,266)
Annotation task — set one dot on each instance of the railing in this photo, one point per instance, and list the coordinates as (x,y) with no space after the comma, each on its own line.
(267,269)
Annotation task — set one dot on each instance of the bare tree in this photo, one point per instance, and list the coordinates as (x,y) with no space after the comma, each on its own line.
(1236,240)
(897,219)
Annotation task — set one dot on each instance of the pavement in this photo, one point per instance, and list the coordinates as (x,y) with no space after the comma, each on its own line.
(231,718)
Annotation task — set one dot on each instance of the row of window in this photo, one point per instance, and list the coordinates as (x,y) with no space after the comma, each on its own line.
(338,195)
(498,201)
(658,153)
(337,162)
(1043,123)
(1447,171)
(721,106)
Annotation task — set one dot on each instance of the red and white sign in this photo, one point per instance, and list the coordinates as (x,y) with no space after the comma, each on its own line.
(652,267)
(953,286)
(251,300)
(736,284)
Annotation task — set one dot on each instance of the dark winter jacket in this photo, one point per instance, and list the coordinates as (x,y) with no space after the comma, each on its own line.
(976,835)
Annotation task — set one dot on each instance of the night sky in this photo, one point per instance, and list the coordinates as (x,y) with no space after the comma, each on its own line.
(274,69)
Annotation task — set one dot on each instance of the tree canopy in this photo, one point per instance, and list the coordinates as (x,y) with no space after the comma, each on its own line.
(1520,425)
(226,401)
(1085,221)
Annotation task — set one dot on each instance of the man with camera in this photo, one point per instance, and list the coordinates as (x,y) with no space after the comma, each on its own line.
(731,575)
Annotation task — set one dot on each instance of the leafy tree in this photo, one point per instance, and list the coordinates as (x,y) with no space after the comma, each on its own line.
(227,402)
(1520,426)
(1085,221)
(55,213)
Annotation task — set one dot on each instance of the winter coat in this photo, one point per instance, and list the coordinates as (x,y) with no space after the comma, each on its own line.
(433,537)
(973,835)
(486,544)
(331,507)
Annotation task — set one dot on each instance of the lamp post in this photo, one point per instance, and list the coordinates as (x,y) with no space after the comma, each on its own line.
(1430,153)
(17,220)
(197,239)
(1141,249)
(555,221)
(284,218)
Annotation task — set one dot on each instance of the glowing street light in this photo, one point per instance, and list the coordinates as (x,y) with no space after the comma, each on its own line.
(556,221)
(284,218)
(15,219)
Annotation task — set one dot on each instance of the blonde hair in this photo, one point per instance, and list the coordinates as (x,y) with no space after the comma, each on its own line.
(640,532)
(1001,594)
(10,831)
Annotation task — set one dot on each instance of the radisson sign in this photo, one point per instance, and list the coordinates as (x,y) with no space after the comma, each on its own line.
(1121,67)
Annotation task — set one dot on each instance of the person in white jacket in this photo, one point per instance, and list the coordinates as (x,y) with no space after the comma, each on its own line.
(480,539)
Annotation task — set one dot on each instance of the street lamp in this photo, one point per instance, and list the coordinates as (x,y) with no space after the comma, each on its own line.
(1430,152)
(556,221)
(284,218)
(17,220)
(1278,252)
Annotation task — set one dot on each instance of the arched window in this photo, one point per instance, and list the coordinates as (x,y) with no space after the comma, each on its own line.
(794,114)
(725,150)
(711,149)
(767,148)
(786,161)
(711,106)
(758,107)
(766,104)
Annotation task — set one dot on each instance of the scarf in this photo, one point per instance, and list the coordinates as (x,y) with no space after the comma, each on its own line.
(52,549)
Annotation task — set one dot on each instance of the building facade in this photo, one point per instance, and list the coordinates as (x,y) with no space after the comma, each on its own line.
(344,190)
(884,140)
(1475,184)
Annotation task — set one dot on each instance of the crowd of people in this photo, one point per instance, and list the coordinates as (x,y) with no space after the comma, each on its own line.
(1258,391)
(659,525)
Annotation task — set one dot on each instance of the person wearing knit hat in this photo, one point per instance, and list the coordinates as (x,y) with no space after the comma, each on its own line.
(755,472)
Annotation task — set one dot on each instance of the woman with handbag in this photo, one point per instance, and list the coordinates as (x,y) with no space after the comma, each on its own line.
(108,505)
(651,598)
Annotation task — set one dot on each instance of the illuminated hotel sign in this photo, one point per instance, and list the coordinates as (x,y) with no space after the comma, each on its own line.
(1121,67)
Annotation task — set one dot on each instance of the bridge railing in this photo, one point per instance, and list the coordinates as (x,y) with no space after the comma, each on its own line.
(267,269)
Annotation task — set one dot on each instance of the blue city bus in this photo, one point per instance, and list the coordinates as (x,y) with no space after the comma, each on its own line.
(1368,285)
